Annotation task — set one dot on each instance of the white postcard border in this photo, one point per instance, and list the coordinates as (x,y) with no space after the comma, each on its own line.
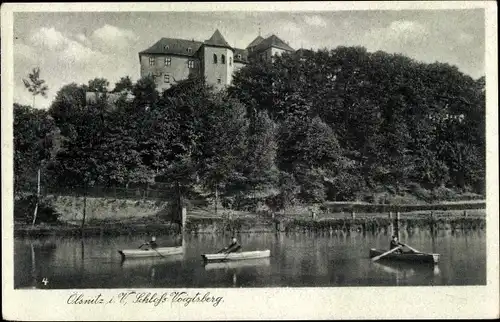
(260,303)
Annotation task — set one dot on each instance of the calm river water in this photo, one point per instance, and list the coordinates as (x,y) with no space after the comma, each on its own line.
(300,259)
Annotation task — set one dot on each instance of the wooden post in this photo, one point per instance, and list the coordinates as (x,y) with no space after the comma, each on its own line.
(391,225)
(431,222)
(353,215)
(183,218)
(397,224)
(465,213)
(313,215)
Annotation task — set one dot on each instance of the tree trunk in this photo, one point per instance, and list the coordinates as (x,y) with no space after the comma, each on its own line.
(216,199)
(37,198)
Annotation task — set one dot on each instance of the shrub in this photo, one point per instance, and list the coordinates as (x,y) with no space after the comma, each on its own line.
(345,186)
(443,193)
(421,193)
(312,186)
(24,210)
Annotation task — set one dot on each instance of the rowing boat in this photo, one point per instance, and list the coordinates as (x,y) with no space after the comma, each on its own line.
(408,257)
(148,252)
(222,257)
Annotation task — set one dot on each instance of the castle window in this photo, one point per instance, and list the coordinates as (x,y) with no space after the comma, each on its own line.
(222,59)
(215,59)
(230,61)
(218,80)
(167,47)
(166,78)
(239,56)
(191,64)
(190,50)
(168,61)
(151,61)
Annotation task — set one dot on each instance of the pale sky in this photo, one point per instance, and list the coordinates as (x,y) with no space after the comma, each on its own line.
(76,47)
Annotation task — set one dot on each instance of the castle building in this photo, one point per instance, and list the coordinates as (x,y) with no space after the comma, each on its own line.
(171,60)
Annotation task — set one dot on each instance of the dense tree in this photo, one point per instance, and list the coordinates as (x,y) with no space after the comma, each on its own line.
(68,103)
(258,167)
(145,93)
(125,83)
(98,85)
(35,143)
(312,126)
(221,145)
(397,119)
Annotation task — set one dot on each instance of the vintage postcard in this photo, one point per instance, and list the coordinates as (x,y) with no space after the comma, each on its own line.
(233,161)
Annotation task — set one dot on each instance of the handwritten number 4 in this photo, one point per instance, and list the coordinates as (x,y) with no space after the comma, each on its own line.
(45,281)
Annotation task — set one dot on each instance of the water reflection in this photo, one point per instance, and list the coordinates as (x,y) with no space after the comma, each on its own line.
(150,261)
(405,273)
(239,264)
(149,269)
(334,258)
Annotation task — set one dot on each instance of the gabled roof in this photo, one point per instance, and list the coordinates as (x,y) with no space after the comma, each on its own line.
(217,40)
(241,53)
(255,42)
(173,46)
(273,41)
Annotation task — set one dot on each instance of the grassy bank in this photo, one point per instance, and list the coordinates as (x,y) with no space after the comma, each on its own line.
(122,217)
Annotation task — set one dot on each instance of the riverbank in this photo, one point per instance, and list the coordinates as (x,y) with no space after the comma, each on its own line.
(106,216)
(259,223)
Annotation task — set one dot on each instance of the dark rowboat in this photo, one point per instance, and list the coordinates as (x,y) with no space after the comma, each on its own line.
(407,257)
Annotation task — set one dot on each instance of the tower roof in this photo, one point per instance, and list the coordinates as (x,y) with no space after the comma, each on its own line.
(217,40)
(273,41)
(256,41)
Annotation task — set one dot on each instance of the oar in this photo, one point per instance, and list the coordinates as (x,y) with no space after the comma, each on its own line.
(220,251)
(386,253)
(225,257)
(154,250)
(413,249)
(159,253)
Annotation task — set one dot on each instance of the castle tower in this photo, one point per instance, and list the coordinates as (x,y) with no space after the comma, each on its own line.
(217,61)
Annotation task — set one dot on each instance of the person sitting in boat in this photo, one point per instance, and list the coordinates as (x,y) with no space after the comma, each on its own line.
(152,243)
(395,243)
(233,247)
